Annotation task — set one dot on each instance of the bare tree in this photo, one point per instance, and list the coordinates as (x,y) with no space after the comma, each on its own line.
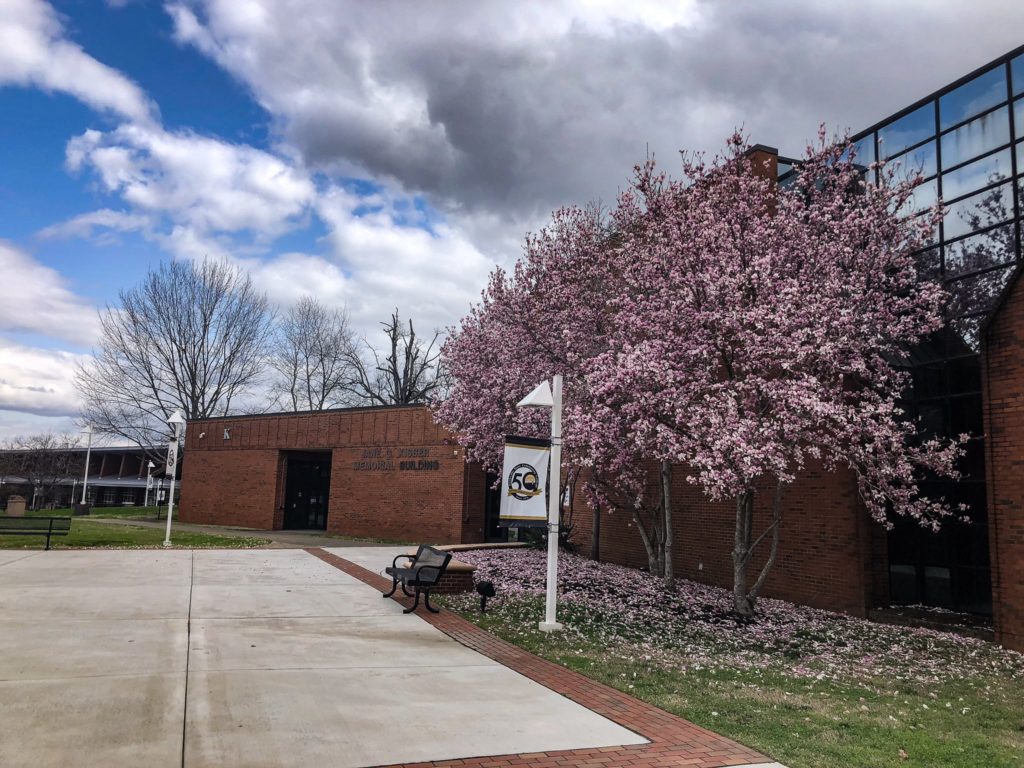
(409,372)
(191,336)
(312,357)
(41,461)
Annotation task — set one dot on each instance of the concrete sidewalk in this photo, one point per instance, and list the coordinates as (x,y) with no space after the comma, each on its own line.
(249,658)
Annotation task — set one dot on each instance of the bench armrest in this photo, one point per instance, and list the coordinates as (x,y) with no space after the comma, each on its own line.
(410,558)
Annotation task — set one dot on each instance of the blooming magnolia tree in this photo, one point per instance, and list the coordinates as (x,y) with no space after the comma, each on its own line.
(755,327)
(723,324)
(550,315)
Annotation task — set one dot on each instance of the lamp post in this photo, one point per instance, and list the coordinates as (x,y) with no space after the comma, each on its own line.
(544,396)
(176,421)
(88,455)
(149,481)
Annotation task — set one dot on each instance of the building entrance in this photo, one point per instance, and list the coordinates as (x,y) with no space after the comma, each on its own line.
(492,509)
(307,488)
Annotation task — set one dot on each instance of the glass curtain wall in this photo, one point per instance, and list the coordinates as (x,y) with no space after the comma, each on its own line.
(968,143)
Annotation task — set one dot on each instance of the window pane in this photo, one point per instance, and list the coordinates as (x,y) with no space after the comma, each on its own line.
(966,336)
(1018,117)
(978,293)
(1017,68)
(976,138)
(909,164)
(965,375)
(928,265)
(984,209)
(976,175)
(973,97)
(865,150)
(909,129)
(981,251)
(924,197)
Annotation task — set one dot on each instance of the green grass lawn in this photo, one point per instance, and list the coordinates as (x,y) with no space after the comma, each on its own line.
(93,535)
(145,513)
(808,688)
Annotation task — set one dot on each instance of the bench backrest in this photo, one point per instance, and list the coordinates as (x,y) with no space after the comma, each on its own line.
(40,524)
(427,555)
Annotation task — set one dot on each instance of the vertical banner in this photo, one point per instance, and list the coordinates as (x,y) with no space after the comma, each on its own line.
(172,458)
(524,478)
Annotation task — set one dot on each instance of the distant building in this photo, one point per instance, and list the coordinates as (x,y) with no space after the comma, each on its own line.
(117,477)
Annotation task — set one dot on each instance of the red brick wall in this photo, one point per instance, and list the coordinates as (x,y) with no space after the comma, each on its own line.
(229,488)
(1003,389)
(825,543)
(241,480)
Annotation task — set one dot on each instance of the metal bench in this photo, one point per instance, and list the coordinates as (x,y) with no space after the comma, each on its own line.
(35,526)
(422,574)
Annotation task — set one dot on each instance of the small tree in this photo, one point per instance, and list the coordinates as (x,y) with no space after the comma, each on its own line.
(190,336)
(312,357)
(757,329)
(407,372)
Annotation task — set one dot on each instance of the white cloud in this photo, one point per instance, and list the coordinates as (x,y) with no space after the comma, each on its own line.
(201,182)
(87,225)
(37,300)
(18,424)
(37,381)
(35,53)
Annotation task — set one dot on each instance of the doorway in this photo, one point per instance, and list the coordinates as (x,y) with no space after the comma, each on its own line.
(494,532)
(307,489)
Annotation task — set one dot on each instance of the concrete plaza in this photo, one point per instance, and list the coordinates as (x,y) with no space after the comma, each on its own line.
(249,658)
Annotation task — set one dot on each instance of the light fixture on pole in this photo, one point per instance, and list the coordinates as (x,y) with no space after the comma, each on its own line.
(150,466)
(88,455)
(177,421)
(545,396)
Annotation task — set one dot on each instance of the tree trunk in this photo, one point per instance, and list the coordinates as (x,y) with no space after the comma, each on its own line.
(742,603)
(652,543)
(745,600)
(666,501)
(755,591)
(595,535)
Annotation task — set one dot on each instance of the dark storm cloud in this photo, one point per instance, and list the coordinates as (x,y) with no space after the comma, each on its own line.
(487,108)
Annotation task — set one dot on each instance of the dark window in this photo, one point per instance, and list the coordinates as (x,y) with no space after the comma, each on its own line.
(979,292)
(976,137)
(1017,74)
(907,131)
(974,96)
(966,335)
(1018,119)
(980,173)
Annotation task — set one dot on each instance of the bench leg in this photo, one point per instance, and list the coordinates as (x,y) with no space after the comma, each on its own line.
(47,542)
(426,602)
(405,589)
(394,586)
(415,605)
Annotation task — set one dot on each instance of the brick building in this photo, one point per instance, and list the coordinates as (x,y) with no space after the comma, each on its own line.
(393,473)
(388,473)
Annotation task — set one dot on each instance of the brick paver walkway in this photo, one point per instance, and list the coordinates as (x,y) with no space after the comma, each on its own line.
(673,741)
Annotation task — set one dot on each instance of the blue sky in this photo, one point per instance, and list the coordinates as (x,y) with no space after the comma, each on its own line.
(381,155)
